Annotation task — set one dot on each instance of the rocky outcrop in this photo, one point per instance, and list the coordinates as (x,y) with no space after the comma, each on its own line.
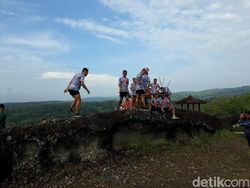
(28,151)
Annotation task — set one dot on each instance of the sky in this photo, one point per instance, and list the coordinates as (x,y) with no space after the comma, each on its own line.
(196,44)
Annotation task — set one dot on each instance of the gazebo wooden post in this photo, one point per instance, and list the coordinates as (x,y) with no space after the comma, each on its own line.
(193,106)
(199,107)
(188,107)
(181,106)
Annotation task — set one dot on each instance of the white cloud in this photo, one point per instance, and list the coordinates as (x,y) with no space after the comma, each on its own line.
(96,79)
(44,41)
(225,16)
(213,36)
(56,75)
(99,30)
(8,12)
(106,37)
(214,6)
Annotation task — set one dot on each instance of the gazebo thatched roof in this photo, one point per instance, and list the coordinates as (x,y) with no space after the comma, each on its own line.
(190,100)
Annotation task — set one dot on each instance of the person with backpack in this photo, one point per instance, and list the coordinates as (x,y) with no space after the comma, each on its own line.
(73,88)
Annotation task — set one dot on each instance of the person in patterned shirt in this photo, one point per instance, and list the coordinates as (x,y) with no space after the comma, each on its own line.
(73,88)
(154,88)
(156,104)
(123,87)
(133,92)
(140,91)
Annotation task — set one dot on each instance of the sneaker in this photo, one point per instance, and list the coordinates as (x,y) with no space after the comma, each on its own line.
(70,110)
(77,115)
(174,117)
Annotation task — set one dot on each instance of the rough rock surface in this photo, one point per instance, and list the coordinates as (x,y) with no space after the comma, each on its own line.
(29,151)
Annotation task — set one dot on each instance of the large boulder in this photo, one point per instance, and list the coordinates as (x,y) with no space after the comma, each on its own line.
(26,152)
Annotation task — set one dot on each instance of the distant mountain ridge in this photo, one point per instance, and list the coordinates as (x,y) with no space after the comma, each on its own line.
(205,94)
(212,93)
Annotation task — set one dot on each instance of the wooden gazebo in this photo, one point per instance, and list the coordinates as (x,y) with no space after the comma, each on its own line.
(186,102)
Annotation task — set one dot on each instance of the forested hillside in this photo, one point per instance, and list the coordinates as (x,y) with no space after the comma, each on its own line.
(213,93)
(20,114)
(228,106)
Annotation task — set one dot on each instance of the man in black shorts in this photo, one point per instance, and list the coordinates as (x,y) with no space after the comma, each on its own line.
(123,87)
(73,88)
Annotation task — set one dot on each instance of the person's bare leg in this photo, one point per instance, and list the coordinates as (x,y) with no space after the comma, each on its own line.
(78,103)
(173,112)
(133,102)
(119,104)
(137,101)
(143,101)
(72,106)
(162,110)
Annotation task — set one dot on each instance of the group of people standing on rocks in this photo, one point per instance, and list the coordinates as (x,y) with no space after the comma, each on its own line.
(139,89)
(134,99)
(159,97)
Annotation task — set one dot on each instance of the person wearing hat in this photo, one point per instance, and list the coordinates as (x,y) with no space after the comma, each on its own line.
(140,91)
(3,117)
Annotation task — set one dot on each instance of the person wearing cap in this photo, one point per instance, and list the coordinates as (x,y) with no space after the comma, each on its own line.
(123,83)
(3,117)
(73,88)
(140,91)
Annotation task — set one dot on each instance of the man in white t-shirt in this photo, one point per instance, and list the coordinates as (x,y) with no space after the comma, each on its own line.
(156,104)
(73,88)
(154,88)
(123,87)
